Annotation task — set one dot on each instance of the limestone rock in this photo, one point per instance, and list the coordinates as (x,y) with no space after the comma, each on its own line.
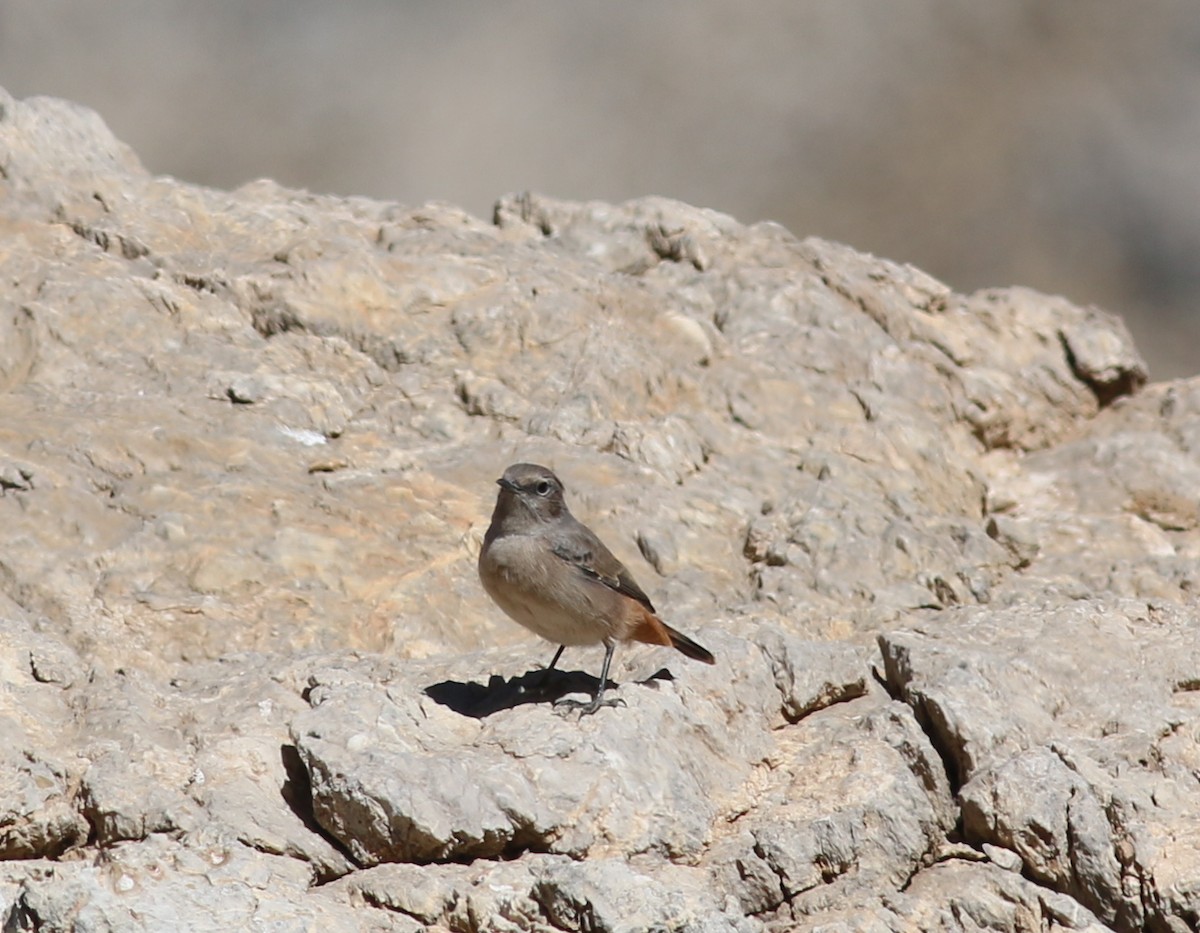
(156,884)
(1068,732)
(400,773)
(944,548)
(548,893)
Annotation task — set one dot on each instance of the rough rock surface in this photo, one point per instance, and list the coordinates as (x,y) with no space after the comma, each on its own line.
(943,546)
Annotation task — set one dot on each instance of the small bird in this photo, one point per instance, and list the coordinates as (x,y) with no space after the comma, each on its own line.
(550,572)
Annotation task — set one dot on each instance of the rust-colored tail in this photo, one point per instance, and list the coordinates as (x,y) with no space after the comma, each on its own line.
(654,631)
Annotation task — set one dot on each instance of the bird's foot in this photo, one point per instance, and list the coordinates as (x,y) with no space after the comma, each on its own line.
(586,707)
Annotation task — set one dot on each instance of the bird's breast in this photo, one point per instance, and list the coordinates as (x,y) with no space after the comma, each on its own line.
(547,595)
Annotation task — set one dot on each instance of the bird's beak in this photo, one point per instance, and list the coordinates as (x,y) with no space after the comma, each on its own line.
(507,484)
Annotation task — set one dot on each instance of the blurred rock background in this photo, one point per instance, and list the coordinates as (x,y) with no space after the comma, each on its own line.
(1052,146)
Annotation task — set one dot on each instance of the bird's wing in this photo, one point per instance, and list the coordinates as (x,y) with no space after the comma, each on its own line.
(580,548)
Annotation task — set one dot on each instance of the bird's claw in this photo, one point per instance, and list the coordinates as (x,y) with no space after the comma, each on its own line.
(587,707)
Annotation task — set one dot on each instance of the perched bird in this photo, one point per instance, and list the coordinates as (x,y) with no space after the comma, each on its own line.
(551,573)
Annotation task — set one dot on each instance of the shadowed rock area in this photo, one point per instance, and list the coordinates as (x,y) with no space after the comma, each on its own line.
(945,549)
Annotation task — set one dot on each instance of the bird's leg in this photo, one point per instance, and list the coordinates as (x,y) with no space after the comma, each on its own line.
(586,709)
(545,678)
(595,704)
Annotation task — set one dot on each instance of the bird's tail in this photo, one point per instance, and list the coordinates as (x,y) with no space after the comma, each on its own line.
(654,631)
(684,644)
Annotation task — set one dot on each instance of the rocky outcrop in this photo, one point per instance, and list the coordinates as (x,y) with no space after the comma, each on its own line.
(944,547)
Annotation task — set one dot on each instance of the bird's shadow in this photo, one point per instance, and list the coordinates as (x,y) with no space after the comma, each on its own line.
(482,700)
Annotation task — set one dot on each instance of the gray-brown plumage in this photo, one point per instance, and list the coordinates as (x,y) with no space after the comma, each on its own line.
(551,573)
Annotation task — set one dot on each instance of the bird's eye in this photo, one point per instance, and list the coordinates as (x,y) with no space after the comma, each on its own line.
(542,488)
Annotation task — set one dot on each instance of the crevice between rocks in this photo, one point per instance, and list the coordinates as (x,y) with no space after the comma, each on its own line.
(111,242)
(296,792)
(1125,381)
(926,718)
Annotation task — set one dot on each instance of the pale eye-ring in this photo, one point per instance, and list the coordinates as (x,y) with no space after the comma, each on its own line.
(542,488)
